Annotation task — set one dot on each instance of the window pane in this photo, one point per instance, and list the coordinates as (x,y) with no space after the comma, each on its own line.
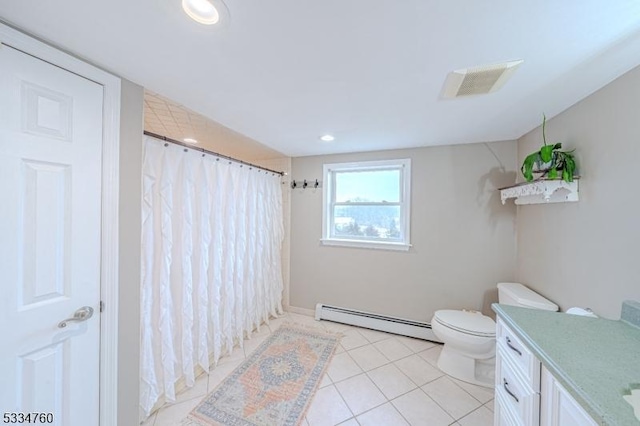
(367,222)
(372,186)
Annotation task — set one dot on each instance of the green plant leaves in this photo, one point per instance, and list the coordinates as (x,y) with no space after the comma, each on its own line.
(569,166)
(527,165)
(546,153)
(556,162)
(560,164)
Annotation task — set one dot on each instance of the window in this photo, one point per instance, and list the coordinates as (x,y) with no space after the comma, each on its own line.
(366,204)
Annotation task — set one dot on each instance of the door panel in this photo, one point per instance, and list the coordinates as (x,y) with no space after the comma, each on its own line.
(42,373)
(50,221)
(46,265)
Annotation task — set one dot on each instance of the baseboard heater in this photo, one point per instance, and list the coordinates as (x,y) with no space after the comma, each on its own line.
(401,326)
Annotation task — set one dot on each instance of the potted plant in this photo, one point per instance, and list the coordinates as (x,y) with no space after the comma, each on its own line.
(550,161)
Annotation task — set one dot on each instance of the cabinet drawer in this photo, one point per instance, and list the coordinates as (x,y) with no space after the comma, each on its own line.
(503,416)
(525,362)
(514,393)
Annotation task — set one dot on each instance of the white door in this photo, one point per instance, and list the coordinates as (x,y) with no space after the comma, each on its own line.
(50,224)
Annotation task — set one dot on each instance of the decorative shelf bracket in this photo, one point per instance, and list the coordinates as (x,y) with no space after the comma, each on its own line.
(541,191)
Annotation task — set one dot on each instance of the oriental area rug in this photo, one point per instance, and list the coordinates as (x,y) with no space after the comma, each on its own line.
(274,385)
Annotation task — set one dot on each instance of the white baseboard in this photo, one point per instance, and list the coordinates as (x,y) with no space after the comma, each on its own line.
(389,324)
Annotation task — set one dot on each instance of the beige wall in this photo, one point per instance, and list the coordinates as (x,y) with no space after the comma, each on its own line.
(463,237)
(586,253)
(129,256)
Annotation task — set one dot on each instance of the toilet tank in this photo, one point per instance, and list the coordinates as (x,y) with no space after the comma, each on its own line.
(517,294)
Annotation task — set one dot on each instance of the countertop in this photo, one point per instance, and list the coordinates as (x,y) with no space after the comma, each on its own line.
(595,359)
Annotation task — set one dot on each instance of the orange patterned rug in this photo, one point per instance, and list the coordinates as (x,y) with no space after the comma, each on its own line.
(274,385)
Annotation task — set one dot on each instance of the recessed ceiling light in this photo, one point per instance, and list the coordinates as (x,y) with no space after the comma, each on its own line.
(190,140)
(202,11)
(327,138)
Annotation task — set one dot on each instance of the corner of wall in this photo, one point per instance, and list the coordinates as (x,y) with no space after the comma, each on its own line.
(130,217)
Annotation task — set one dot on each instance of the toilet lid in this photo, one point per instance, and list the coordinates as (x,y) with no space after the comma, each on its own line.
(469,322)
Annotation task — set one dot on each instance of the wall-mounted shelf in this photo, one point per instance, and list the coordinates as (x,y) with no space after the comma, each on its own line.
(541,191)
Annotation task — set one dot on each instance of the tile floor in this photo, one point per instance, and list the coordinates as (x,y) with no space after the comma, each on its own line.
(375,379)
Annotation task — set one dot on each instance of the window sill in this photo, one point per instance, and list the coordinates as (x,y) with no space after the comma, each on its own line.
(377,245)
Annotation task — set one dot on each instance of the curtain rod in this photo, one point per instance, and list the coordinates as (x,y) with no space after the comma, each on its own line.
(206,151)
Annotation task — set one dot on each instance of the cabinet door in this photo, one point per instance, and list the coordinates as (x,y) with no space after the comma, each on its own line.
(557,407)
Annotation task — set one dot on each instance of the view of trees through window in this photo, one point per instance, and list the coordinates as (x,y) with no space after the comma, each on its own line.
(368,221)
(367,204)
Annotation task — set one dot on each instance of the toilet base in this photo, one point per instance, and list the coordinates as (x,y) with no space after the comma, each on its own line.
(475,371)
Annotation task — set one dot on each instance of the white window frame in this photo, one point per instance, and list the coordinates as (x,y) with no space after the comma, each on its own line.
(328,203)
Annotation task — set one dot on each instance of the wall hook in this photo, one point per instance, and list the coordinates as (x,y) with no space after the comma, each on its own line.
(317,184)
(304,184)
(294,184)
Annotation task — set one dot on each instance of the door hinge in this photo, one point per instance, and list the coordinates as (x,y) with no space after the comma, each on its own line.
(101,306)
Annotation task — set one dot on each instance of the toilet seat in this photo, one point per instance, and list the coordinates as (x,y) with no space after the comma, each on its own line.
(467,322)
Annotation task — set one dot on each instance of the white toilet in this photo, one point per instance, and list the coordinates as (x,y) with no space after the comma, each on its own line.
(469,337)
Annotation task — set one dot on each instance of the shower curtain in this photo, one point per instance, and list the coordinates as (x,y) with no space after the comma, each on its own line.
(212,232)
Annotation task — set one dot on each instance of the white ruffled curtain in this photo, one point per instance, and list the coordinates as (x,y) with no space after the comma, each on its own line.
(211,271)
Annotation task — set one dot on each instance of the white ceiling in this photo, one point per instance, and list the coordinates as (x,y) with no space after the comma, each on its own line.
(370,72)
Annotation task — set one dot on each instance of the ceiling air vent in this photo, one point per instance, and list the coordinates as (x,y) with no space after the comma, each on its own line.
(478,80)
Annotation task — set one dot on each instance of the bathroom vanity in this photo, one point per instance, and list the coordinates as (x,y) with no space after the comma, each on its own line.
(555,369)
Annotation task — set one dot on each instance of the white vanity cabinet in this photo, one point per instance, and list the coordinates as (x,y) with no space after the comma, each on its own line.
(521,398)
(517,384)
(557,407)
